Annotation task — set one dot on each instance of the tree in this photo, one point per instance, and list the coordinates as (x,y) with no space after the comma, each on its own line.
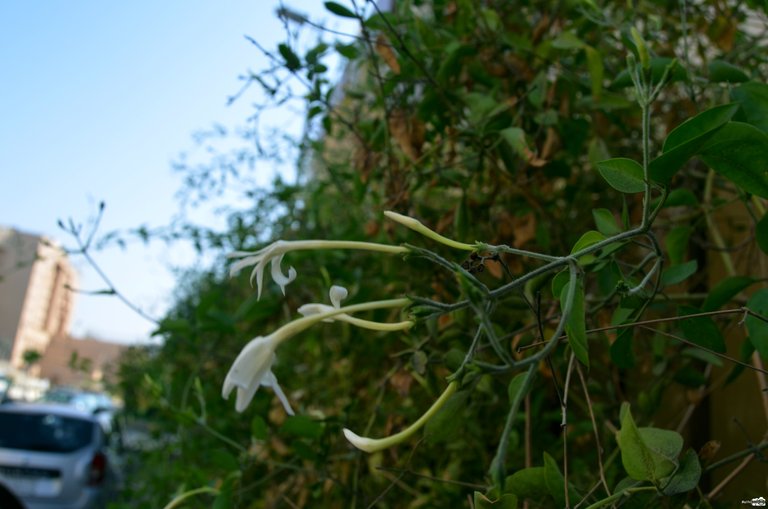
(598,154)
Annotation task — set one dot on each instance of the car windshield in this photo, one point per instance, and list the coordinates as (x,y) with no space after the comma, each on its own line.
(44,432)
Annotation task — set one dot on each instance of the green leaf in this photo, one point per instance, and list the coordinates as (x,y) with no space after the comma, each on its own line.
(259,429)
(745,352)
(621,350)
(761,234)
(559,281)
(686,477)
(739,152)
(757,328)
(224,499)
(348,51)
(586,240)
(567,40)
(686,139)
(622,174)
(515,386)
(302,426)
(681,197)
(725,290)
(658,65)
(701,330)
(702,355)
(679,273)
(223,459)
(721,71)
(704,123)
(753,97)
(339,10)
(515,138)
(556,483)
(605,222)
(575,327)
(641,460)
(677,243)
(596,70)
(528,483)
(292,61)
(666,443)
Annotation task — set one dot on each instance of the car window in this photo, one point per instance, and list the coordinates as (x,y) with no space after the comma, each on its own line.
(44,432)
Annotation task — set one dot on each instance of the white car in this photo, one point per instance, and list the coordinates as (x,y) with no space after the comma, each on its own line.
(53,457)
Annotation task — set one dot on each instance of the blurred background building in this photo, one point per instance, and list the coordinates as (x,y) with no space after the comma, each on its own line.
(36,305)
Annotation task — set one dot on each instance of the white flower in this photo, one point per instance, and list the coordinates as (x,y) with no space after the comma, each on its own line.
(418,226)
(259,259)
(370,445)
(275,251)
(253,366)
(339,293)
(252,369)
(336,293)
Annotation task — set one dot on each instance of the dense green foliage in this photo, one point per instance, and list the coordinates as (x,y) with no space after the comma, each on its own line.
(616,139)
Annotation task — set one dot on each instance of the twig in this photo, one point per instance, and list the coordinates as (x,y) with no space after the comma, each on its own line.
(564,426)
(757,362)
(708,350)
(594,428)
(700,392)
(431,477)
(84,250)
(728,478)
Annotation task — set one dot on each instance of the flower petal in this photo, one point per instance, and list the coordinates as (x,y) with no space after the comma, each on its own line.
(313,309)
(244,397)
(249,369)
(363,443)
(270,380)
(241,264)
(258,273)
(337,294)
(278,276)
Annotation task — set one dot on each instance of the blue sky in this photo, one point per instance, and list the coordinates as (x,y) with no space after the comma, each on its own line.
(96,100)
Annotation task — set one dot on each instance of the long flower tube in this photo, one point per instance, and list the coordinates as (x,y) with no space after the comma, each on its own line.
(377,444)
(274,253)
(253,366)
(418,226)
(339,293)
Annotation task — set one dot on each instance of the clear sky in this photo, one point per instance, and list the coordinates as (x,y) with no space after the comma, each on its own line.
(96,100)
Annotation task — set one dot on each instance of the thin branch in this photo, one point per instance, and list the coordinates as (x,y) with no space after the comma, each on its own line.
(564,426)
(708,350)
(598,444)
(84,250)
(432,478)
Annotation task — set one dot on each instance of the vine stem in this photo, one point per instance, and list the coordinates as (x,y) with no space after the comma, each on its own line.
(501,451)
(600,467)
(564,426)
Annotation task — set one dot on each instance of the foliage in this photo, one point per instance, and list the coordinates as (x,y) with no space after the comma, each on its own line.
(588,153)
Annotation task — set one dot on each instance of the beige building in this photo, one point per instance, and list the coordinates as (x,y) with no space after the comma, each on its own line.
(85,362)
(35,304)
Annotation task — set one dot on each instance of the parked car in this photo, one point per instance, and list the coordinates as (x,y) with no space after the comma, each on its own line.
(96,403)
(5,385)
(54,457)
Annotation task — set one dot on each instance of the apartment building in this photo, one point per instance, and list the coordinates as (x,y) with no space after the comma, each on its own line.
(35,304)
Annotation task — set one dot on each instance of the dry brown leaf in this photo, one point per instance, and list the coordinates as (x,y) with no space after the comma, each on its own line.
(551,143)
(408,132)
(524,228)
(384,49)
(401,382)
(494,268)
